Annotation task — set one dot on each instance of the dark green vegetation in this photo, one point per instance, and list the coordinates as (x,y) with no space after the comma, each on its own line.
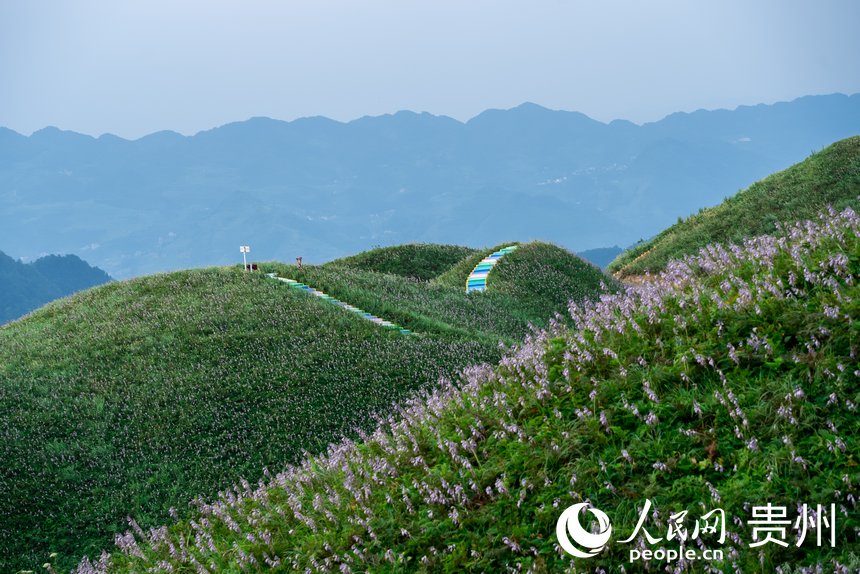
(139,396)
(729,383)
(136,397)
(27,286)
(422,261)
(526,288)
(830,177)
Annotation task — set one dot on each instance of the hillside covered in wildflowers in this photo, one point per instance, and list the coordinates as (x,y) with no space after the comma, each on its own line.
(729,381)
(136,397)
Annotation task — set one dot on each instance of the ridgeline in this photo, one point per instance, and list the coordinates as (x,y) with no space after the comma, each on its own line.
(829,177)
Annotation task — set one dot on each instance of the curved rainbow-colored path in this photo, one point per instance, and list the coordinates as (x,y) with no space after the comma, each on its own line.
(477,280)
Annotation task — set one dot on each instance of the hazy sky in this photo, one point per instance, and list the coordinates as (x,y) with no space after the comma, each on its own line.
(131,67)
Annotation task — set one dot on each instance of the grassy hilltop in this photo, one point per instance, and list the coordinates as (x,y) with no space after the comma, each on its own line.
(135,397)
(829,177)
(729,381)
(422,261)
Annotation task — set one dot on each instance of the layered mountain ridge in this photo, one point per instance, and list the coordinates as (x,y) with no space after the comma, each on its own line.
(323,189)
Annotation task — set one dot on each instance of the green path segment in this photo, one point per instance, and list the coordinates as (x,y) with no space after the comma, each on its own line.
(359,312)
(477,280)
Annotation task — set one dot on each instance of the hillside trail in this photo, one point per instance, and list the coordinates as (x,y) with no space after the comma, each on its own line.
(620,273)
(477,279)
(346,306)
(636,279)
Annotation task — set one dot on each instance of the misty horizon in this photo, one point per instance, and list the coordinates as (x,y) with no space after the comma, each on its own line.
(435,115)
(134,67)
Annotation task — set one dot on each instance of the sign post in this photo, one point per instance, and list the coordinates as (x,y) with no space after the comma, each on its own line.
(245,249)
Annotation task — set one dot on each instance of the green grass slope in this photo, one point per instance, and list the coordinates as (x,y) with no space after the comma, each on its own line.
(422,261)
(138,396)
(729,382)
(829,177)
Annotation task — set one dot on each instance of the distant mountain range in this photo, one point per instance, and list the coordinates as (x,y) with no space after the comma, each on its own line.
(27,286)
(322,189)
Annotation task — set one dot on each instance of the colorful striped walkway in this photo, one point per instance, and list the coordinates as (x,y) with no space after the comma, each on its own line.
(477,280)
(328,298)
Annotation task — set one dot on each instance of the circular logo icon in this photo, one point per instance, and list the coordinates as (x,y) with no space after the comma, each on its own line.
(568,530)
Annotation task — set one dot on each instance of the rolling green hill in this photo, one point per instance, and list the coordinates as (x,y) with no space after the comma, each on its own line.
(539,273)
(136,397)
(829,177)
(422,261)
(728,382)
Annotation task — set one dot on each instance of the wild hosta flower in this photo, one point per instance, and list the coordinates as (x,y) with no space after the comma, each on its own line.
(799,459)
(631,407)
(604,421)
(511,544)
(650,392)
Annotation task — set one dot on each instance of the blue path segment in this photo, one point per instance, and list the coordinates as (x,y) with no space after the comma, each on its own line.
(477,280)
(328,298)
